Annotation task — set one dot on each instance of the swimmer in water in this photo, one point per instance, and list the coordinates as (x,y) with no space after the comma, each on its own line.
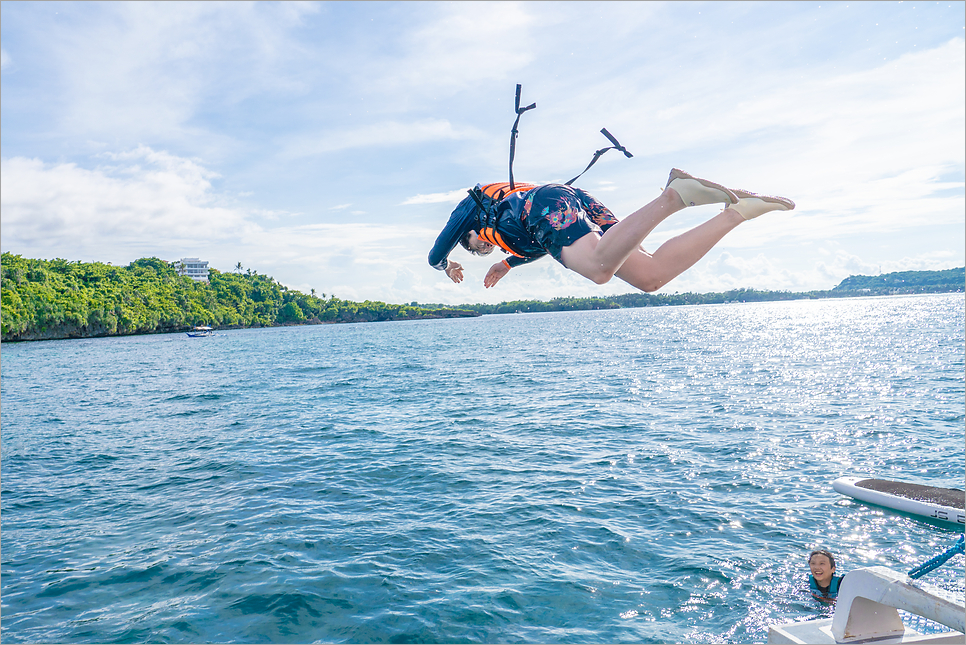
(822,582)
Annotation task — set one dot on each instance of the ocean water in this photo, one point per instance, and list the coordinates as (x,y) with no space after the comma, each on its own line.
(640,475)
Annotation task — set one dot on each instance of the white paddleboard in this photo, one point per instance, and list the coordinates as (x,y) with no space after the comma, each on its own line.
(943,504)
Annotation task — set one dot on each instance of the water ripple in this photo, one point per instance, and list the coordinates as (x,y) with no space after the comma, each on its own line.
(648,475)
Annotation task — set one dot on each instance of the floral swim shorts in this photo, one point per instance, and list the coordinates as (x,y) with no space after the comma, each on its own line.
(557,216)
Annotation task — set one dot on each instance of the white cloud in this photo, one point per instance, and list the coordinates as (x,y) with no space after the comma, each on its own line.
(143,198)
(873,152)
(5,60)
(141,71)
(464,44)
(151,203)
(452,197)
(385,133)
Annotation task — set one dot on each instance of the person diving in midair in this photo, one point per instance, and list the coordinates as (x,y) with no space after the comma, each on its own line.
(582,234)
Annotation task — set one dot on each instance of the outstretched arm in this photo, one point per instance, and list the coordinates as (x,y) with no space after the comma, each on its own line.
(445,243)
(460,221)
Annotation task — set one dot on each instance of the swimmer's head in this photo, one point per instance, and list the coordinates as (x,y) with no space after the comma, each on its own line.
(822,565)
(472,242)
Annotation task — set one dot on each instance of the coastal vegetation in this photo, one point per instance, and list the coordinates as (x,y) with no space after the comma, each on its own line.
(51,299)
(904,282)
(48,299)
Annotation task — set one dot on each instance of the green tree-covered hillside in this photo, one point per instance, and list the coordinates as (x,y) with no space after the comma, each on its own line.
(47,299)
(906,281)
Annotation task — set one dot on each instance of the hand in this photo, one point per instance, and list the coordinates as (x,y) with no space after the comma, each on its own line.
(455,271)
(496,272)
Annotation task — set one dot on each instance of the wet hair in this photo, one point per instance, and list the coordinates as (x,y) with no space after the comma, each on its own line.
(826,553)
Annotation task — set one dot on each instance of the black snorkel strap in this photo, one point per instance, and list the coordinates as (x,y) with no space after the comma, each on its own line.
(597,155)
(486,212)
(514,131)
(476,193)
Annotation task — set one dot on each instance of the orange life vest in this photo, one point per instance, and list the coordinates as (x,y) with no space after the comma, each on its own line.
(496,192)
(501,189)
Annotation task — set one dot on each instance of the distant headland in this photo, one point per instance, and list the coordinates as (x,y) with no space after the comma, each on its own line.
(57,299)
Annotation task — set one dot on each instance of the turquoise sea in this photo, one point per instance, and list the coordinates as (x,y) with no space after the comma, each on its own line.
(639,475)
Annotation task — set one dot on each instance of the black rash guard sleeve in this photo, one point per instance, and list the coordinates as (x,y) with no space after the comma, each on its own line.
(462,219)
(515,261)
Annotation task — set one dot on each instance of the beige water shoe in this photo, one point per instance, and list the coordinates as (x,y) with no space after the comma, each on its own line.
(750,205)
(694,191)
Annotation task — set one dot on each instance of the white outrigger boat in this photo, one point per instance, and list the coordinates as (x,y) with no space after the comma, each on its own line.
(201,332)
(868,611)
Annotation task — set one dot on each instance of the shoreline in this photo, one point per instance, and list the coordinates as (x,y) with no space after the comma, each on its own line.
(464,313)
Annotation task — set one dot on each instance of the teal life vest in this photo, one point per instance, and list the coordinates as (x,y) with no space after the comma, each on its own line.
(833,588)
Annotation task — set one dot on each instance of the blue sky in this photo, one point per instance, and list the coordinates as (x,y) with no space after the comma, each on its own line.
(326,144)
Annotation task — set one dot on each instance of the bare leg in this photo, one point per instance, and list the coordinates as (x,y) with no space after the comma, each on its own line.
(618,251)
(643,270)
(651,272)
(599,257)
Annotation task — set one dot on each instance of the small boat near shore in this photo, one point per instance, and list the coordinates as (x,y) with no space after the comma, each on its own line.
(201,332)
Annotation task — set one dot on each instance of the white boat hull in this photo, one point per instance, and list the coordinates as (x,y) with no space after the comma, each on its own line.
(867,610)
(941,504)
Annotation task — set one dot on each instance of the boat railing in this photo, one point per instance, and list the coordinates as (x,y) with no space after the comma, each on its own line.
(869,598)
(868,608)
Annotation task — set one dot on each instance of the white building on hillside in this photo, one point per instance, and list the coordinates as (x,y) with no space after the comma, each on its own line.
(194,268)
